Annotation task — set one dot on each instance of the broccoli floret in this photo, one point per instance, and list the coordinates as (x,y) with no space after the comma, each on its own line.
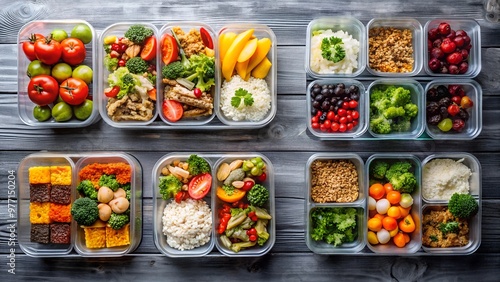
(87,189)
(398,168)
(109,181)
(449,227)
(332,49)
(117,221)
(463,205)
(393,112)
(197,165)
(169,186)
(138,33)
(258,195)
(173,70)
(399,96)
(379,124)
(401,124)
(411,110)
(137,65)
(378,169)
(404,183)
(110,63)
(202,71)
(84,211)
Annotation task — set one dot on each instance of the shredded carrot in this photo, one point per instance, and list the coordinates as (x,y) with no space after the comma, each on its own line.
(94,171)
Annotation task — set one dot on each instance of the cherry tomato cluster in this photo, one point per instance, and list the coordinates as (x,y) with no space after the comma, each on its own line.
(335,107)
(56,74)
(389,216)
(448,107)
(224,216)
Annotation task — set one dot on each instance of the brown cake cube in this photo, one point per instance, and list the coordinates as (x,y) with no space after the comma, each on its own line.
(60,233)
(40,193)
(60,194)
(40,233)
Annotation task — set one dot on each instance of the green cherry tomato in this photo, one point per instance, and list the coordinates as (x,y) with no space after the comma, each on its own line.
(445,125)
(36,67)
(41,113)
(62,112)
(82,32)
(59,34)
(61,72)
(84,73)
(84,110)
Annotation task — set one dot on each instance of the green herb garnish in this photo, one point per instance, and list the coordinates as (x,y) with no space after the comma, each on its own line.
(332,49)
(241,94)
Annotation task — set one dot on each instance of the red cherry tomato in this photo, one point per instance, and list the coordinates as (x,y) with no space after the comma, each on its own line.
(148,52)
(353,104)
(29,45)
(172,110)
(262,177)
(48,51)
(112,92)
(169,49)
(73,51)
(247,185)
(73,91)
(206,38)
(179,196)
(43,89)
(200,185)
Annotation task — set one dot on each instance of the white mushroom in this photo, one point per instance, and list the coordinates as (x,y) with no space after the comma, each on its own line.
(104,195)
(119,205)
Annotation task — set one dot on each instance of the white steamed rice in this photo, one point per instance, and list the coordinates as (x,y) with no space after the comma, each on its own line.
(260,94)
(321,65)
(188,224)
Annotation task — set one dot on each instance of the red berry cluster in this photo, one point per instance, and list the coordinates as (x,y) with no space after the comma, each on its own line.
(448,50)
(448,105)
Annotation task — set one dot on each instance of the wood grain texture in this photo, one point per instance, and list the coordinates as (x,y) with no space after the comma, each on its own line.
(285,141)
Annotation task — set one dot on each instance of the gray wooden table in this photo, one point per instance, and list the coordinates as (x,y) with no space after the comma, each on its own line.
(286,141)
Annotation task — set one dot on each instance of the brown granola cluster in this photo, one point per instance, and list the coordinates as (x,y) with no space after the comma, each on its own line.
(390,49)
(334,181)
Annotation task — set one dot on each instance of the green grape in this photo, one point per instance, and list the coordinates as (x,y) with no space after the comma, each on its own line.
(256,171)
(445,125)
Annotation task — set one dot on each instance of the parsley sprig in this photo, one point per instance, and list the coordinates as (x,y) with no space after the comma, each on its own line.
(241,94)
(332,49)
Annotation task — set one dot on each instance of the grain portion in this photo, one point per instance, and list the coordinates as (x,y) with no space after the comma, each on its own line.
(390,49)
(334,181)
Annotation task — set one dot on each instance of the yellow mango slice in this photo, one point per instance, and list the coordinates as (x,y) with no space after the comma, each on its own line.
(263,47)
(248,50)
(225,41)
(241,69)
(209,52)
(261,70)
(233,52)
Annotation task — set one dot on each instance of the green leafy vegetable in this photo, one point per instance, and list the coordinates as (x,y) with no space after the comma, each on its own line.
(87,189)
(109,181)
(197,165)
(449,227)
(334,225)
(241,94)
(138,33)
(332,49)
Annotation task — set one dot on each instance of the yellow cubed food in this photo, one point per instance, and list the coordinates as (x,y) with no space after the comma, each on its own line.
(60,175)
(39,174)
(95,238)
(120,237)
(39,213)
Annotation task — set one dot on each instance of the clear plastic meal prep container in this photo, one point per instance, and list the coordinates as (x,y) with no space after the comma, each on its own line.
(417,93)
(401,23)
(77,161)
(473,125)
(186,27)
(214,159)
(348,24)
(119,29)
(475,190)
(260,31)
(321,247)
(473,31)
(24,104)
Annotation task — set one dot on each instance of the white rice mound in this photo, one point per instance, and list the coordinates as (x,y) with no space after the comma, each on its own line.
(188,224)
(321,65)
(441,178)
(260,93)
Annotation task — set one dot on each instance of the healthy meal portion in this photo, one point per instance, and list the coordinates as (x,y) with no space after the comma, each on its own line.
(390,49)
(188,74)
(187,217)
(60,81)
(243,207)
(390,202)
(103,206)
(441,178)
(131,82)
(245,95)
(334,52)
(50,204)
(334,181)
(334,226)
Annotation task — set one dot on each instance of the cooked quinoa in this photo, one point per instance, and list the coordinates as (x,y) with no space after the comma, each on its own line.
(432,235)
(334,181)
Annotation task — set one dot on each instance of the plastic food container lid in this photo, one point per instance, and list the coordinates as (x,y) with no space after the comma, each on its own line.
(348,24)
(24,104)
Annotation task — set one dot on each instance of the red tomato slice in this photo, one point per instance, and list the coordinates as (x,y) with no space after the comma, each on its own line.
(172,110)
(200,185)
(149,49)
(169,49)
(206,38)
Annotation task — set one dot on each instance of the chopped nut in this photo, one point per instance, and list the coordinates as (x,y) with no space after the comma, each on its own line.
(223,172)
(235,164)
(133,51)
(238,184)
